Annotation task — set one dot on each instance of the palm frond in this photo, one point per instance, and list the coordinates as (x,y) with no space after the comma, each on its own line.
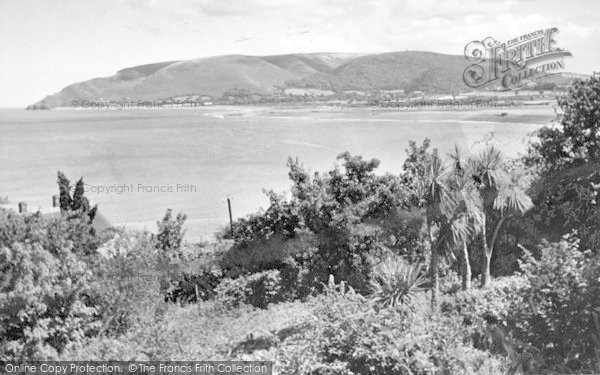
(512,196)
(452,234)
(441,201)
(488,166)
(458,161)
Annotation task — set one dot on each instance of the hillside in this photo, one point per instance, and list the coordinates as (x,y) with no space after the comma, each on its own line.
(212,76)
(267,76)
(305,65)
(424,71)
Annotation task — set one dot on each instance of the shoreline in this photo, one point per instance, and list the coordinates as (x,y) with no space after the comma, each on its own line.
(216,139)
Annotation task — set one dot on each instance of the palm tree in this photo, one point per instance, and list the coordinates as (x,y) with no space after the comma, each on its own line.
(467,216)
(499,190)
(438,203)
(511,199)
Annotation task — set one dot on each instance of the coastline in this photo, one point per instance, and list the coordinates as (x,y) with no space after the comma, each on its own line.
(251,143)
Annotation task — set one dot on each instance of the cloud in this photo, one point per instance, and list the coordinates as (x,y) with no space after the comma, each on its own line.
(38,38)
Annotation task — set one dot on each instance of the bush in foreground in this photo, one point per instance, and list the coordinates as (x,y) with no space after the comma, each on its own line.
(43,304)
(347,334)
(560,307)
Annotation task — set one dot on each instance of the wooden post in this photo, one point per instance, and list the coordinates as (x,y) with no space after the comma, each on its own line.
(230,216)
(22,207)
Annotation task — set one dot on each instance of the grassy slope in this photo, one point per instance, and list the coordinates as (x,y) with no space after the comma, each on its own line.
(202,331)
(410,70)
(213,76)
(425,71)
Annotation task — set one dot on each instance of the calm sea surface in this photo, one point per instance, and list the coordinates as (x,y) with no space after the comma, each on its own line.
(190,160)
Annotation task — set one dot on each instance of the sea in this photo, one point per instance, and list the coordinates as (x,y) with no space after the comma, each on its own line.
(137,163)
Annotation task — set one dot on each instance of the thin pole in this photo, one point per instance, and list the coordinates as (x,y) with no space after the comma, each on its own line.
(230,217)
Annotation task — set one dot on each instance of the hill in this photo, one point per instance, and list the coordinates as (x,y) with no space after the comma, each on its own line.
(212,76)
(221,76)
(411,70)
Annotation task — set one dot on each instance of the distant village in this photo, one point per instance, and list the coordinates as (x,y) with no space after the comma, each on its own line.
(532,95)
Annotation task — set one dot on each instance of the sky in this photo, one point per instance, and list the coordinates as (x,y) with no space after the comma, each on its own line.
(47,45)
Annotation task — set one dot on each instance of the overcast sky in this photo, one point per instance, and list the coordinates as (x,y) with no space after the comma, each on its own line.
(46,45)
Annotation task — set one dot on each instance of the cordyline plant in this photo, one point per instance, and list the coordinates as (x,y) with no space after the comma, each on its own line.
(426,175)
(396,282)
(503,193)
(466,217)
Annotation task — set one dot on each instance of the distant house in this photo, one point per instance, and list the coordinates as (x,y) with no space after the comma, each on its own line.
(100,223)
(393,92)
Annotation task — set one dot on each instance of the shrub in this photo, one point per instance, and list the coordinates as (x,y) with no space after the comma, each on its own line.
(43,301)
(126,283)
(573,142)
(489,320)
(19,228)
(342,208)
(259,289)
(349,336)
(296,280)
(47,271)
(499,301)
(561,301)
(266,253)
(395,282)
(74,228)
(568,157)
(193,274)
(170,232)
(192,287)
(51,234)
(291,257)
(280,219)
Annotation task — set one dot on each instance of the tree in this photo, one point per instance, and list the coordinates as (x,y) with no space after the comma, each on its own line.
(568,158)
(344,208)
(78,202)
(426,174)
(576,140)
(77,216)
(44,287)
(503,192)
(467,217)
(170,232)
(280,219)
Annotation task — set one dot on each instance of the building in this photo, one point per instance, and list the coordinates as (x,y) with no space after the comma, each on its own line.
(100,223)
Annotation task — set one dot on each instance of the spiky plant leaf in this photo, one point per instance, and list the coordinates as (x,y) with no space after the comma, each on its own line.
(512,196)
(396,283)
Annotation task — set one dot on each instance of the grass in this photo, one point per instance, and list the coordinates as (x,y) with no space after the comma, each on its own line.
(204,331)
